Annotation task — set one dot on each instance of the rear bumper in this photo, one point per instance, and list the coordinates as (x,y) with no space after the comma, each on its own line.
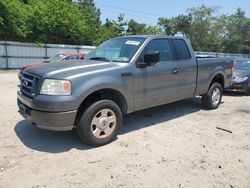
(56,121)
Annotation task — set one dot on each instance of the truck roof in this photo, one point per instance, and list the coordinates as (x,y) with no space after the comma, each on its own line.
(151,36)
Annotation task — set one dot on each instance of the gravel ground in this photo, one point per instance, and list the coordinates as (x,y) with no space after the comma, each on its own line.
(175,145)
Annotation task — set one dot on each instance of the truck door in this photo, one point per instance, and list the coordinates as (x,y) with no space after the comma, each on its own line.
(187,69)
(168,80)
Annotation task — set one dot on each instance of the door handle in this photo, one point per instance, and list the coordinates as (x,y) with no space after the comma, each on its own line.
(175,70)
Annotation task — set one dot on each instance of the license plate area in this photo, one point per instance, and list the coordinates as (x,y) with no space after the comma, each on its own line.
(24,110)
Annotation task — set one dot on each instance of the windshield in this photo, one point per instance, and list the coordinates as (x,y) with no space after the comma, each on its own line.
(242,64)
(54,58)
(117,49)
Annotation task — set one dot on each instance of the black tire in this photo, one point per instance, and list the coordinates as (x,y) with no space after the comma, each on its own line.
(207,100)
(85,126)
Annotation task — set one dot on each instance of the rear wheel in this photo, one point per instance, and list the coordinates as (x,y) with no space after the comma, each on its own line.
(212,98)
(100,123)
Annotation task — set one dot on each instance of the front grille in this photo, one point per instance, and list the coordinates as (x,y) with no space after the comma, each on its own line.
(29,84)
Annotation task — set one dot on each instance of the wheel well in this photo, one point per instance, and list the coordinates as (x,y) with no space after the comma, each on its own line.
(219,78)
(110,94)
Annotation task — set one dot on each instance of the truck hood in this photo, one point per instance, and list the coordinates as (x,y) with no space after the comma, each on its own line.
(71,69)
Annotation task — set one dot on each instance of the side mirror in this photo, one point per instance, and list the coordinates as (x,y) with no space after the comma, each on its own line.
(151,57)
(142,65)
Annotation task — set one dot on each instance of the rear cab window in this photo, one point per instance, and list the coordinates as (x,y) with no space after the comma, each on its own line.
(181,48)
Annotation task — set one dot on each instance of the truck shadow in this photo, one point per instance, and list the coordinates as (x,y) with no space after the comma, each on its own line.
(58,142)
(48,141)
(164,113)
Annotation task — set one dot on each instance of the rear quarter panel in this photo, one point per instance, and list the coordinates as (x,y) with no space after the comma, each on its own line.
(208,68)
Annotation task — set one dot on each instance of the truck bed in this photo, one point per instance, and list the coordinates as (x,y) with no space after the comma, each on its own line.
(206,69)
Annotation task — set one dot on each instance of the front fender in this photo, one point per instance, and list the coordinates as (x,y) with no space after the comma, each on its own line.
(122,85)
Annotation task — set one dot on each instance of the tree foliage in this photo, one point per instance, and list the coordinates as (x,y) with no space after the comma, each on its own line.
(237,35)
(56,20)
(91,16)
(13,19)
(78,22)
(135,28)
(210,33)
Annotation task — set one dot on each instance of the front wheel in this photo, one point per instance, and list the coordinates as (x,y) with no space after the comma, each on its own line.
(212,98)
(100,123)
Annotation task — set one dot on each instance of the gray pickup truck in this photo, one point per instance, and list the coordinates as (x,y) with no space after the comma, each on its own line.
(122,75)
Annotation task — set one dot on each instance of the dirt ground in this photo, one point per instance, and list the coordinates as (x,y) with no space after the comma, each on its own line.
(175,145)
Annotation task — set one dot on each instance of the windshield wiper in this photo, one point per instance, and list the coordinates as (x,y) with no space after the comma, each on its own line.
(100,58)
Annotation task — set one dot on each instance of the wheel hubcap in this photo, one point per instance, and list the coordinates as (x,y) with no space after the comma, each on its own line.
(103,123)
(216,96)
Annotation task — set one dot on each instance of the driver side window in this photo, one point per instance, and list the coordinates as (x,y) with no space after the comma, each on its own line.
(160,45)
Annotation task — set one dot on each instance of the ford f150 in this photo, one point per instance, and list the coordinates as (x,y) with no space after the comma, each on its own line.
(122,75)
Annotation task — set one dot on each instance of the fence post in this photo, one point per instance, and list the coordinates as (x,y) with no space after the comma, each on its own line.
(6,55)
(46,50)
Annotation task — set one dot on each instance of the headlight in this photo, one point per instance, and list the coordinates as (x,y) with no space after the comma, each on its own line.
(56,87)
(240,79)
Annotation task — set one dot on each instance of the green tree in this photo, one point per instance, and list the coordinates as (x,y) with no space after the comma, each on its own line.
(214,38)
(108,30)
(122,24)
(201,22)
(135,28)
(237,37)
(199,25)
(111,29)
(91,15)
(78,22)
(13,20)
(167,25)
(57,21)
(182,24)
(152,30)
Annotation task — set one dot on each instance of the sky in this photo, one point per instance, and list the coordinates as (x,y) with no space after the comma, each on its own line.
(148,11)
